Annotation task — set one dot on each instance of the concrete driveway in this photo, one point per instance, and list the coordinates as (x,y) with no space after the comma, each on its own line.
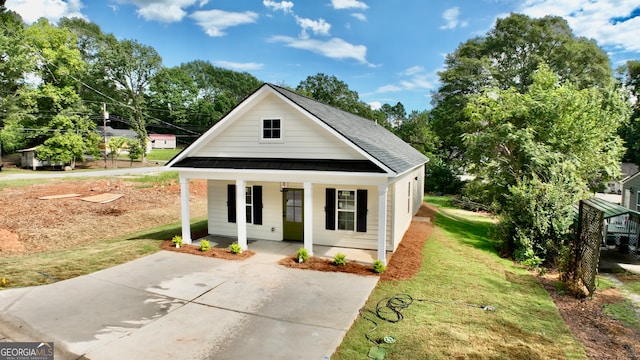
(178,306)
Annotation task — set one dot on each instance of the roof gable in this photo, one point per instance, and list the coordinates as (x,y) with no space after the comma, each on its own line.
(374,139)
(366,137)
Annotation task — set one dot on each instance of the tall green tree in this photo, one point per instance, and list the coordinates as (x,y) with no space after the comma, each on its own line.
(631,131)
(540,151)
(130,67)
(395,114)
(506,58)
(15,62)
(415,131)
(334,92)
(95,87)
(48,111)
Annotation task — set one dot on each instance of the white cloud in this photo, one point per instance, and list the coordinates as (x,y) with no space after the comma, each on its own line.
(375,105)
(359,16)
(451,16)
(214,22)
(319,27)
(240,66)
(334,48)
(285,6)
(52,10)
(413,78)
(162,13)
(348,4)
(413,70)
(389,88)
(606,21)
(166,11)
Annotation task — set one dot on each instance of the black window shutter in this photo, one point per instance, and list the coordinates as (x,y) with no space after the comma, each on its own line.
(361,220)
(231,203)
(257,205)
(330,209)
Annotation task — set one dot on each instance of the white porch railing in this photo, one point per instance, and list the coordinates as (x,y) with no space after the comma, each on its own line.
(620,227)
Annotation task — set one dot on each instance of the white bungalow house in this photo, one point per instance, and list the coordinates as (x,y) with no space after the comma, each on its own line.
(281,166)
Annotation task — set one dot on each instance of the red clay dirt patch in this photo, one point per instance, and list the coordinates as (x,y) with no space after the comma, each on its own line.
(9,242)
(214,252)
(29,224)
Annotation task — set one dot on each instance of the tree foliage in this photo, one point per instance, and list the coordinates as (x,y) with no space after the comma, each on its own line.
(195,95)
(505,58)
(334,92)
(115,146)
(630,132)
(131,66)
(49,112)
(540,151)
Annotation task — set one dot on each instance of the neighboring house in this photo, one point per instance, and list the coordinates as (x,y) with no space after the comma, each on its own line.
(108,132)
(630,192)
(28,159)
(281,166)
(163,141)
(626,169)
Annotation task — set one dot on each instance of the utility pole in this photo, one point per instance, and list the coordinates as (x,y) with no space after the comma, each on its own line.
(105,116)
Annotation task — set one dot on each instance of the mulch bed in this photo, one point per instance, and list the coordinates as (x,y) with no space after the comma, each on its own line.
(214,252)
(321,264)
(603,337)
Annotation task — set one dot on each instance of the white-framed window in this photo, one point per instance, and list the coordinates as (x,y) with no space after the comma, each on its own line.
(249,200)
(638,200)
(346,210)
(272,129)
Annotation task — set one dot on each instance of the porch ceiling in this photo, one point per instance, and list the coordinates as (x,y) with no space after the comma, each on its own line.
(359,166)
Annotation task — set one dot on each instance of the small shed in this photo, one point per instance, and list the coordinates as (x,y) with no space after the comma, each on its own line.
(28,159)
(163,141)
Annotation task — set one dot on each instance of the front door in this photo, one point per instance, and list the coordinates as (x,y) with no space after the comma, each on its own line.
(293,215)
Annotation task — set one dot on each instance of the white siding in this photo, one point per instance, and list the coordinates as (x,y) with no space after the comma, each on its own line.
(408,198)
(398,219)
(301,137)
(271,212)
(351,239)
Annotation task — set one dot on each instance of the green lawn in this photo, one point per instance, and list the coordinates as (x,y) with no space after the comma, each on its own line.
(51,266)
(460,272)
(162,154)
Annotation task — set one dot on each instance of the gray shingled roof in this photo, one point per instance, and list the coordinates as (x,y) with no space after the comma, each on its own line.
(374,139)
(111,132)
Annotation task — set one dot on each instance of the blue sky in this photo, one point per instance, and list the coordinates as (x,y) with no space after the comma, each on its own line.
(386,50)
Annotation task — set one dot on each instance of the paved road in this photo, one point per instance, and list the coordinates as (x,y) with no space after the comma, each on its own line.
(63,174)
(177,306)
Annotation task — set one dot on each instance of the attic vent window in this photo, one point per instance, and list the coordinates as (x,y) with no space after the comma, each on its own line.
(271,129)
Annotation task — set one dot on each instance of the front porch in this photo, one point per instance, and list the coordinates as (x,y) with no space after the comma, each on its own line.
(274,250)
(246,211)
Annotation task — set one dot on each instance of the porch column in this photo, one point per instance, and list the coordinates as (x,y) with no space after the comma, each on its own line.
(382,223)
(184,208)
(241,213)
(308,217)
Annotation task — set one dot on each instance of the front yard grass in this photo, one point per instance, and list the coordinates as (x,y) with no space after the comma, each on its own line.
(52,266)
(162,154)
(460,272)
